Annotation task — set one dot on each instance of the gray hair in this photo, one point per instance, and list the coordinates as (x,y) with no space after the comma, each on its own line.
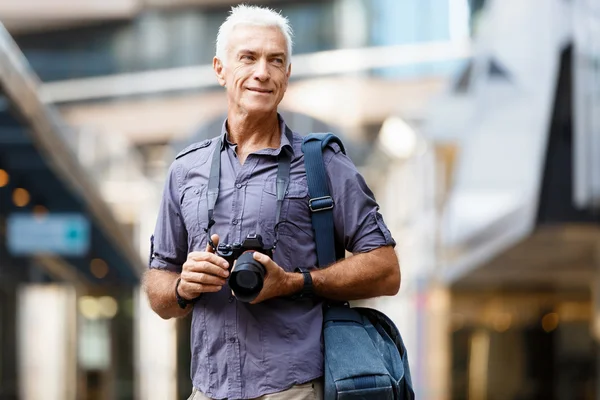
(252,15)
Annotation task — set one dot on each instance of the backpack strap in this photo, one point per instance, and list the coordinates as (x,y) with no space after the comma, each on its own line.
(321,203)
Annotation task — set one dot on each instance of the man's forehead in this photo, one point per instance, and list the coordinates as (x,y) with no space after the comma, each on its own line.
(257,39)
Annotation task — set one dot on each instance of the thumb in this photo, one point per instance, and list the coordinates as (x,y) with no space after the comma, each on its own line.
(265,260)
(215,240)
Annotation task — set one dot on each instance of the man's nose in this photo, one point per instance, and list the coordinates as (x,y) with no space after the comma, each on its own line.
(261,73)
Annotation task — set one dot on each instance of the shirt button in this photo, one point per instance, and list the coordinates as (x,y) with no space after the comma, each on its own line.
(235,221)
(239,185)
(231,298)
(232,340)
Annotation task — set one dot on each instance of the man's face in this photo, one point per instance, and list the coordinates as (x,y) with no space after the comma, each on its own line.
(255,73)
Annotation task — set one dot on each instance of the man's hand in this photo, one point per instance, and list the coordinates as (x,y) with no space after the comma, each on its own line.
(277,282)
(203,272)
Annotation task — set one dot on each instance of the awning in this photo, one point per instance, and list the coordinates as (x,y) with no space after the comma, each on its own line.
(499,117)
(35,152)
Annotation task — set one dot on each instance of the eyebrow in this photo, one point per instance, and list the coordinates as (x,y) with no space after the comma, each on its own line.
(247,51)
(254,53)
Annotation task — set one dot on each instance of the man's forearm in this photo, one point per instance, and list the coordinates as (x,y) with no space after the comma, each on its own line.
(361,276)
(159,286)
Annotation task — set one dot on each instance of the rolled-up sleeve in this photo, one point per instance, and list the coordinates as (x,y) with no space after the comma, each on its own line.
(168,248)
(358,223)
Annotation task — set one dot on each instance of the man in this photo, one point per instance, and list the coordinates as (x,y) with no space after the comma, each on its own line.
(270,348)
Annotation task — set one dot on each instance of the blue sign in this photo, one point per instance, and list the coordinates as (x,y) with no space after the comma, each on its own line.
(65,234)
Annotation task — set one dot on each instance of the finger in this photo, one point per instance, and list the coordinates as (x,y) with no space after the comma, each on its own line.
(215,240)
(195,289)
(202,278)
(206,267)
(208,257)
(258,299)
(264,259)
(211,288)
(201,288)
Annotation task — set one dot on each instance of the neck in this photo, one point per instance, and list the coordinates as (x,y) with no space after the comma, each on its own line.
(253,133)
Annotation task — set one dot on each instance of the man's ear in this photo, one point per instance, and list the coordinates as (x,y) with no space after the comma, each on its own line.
(219,71)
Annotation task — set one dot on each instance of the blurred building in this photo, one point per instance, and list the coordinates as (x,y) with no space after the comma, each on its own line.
(59,241)
(98,96)
(517,138)
(491,189)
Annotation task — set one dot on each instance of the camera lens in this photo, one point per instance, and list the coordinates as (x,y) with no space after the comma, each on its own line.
(247,278)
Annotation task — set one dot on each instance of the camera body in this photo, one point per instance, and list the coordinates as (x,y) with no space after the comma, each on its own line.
(247,278)
(253,242)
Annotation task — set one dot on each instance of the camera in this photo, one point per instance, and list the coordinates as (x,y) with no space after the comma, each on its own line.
(247,278)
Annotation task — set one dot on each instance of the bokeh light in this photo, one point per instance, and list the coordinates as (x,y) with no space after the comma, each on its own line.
(89,307)
(550,322)
(4,178)
(40,211)
(21,197)
(502,322)
(99,268)
(108,307)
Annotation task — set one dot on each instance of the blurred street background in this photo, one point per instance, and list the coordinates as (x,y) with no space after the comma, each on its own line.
(476,122)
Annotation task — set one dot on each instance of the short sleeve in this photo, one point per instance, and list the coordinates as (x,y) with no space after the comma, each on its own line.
(358,223)
(169,246)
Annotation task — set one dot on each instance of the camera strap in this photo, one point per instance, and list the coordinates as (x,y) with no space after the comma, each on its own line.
(284,162)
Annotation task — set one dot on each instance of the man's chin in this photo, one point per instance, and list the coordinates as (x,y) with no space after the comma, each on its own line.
(260,109)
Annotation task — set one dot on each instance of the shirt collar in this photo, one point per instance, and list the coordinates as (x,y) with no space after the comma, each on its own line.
(285,142)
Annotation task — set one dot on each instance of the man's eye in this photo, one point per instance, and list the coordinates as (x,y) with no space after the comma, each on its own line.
(278,60)
(247,57)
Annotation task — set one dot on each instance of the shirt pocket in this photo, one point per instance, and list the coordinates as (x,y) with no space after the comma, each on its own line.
(294,210)
(195,215)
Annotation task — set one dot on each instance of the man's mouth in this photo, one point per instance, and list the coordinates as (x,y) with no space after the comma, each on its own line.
(259,90)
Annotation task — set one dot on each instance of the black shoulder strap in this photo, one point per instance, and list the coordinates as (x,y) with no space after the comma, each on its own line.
(321,203)
(212,194)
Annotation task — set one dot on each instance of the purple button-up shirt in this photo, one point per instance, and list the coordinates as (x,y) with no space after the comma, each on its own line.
(239,350)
